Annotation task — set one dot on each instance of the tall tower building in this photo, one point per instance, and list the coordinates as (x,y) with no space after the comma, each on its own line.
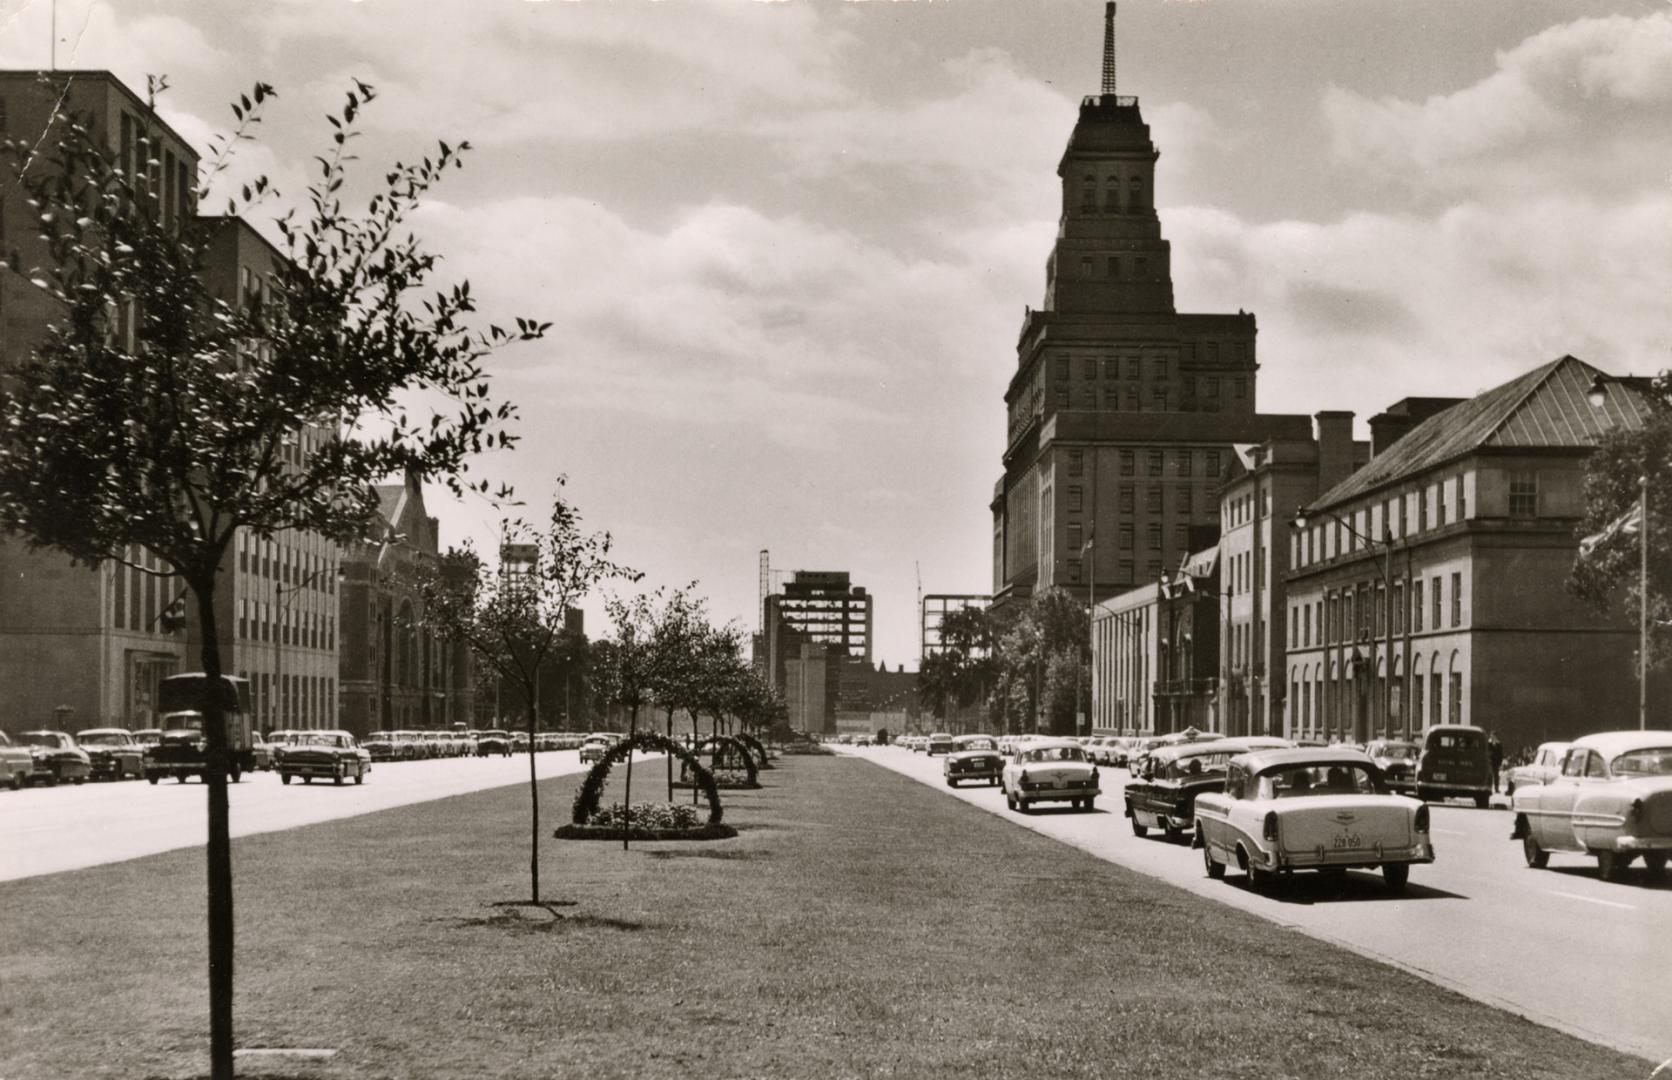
(1122,411)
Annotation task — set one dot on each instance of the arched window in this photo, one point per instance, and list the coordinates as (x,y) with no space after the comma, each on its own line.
(1111,195)
(1135,200)
(1088,193)
(1454,692)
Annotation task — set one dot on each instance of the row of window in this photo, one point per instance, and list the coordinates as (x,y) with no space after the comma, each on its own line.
(1433,506)
(1107,196)
(1184,499)
(269,560)
(139,594)
(1353,614)
(1318,704)
(259,620)
(1126,571)
(1115,268)
(1243,574)
(292,701)
(1184,463)
(1240,510)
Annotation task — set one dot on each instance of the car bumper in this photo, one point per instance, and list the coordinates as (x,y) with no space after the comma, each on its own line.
(317,768)
(1324,859)
(1643,843)
(974,774)
(1058,794)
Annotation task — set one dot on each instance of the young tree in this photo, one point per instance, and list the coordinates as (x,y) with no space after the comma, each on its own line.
(514,619)
(675,640)
(623,671)
(157,414)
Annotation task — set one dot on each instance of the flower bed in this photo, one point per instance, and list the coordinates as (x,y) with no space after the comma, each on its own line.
(665,821)
(724,779)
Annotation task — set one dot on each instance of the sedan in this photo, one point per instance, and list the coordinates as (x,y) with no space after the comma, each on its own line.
(1612,801)
(57,756)
(1545,767)
(1050,770)
(1305,809)
(112,753)
(973,757)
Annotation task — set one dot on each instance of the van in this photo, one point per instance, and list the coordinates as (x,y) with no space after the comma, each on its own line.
(1455,762)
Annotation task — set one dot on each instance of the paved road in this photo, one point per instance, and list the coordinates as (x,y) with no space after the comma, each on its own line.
(46,830)
(1557,946)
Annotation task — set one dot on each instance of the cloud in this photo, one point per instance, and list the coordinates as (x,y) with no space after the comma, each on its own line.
(1555,103)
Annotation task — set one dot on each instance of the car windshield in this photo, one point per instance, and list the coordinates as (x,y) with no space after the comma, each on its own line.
(1455,740)
(977,744)
(1396,751)
(1345,778)
(328,740)
(1197,765)
(42,738)
(1056,753)
(1655,761)
(183,721)
(107,738)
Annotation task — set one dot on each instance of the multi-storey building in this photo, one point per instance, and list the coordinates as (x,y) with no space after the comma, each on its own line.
(1264,487)
(1122,412)
(934,608)
(1430,586)
(825,606)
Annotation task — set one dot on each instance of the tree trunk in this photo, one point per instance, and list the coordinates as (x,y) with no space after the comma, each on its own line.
(533,794)
(670,756)
(220,841)
(627,798)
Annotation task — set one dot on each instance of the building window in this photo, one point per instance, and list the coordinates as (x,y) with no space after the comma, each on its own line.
(1088,194)
(1075,536)
(1457,599)
(1240,387)
(1182,494)
(1132,399)
(1075,570)
(1399,607)
(1455,702)
(1140,268)
(1126,570)
(1062,397)
(1126,463)
(1523,494)
(1416,699)
(1152,499)
(1158,368)
(1213,464)
(1210,386)
(1434,584)
(1416,606)
(1436,693)
(1153,568)
(1459,498)
(1062,369)
(1076,499)
(1126,537)
(1076,462)
(1126,498)
(1132,368)
(1156,460)
(1181,537)
(1154,535)
(1086,266)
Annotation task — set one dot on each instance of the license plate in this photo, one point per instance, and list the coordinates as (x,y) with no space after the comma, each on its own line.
(1346,840)
(1061,782)
(1439,776)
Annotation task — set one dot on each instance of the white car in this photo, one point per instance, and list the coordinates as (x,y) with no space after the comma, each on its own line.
(1545,767)
(1050,770)
(1310,809)
(1611,801)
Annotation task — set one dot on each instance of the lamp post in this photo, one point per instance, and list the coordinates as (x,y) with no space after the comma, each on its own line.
(1386,545)
(282,595)
(1597,395)
(1091,618)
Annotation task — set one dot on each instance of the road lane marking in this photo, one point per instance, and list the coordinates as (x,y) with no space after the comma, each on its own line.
(1450,832)
(1592,899)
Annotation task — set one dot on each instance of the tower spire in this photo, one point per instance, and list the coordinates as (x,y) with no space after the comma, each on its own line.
(1109,47)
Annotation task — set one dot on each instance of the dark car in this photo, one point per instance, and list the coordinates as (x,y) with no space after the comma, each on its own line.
(1163,795)
(112,752)
(1397,759)
(381,745)
(57,756)
(973,757)
(326,755)
(1455,763)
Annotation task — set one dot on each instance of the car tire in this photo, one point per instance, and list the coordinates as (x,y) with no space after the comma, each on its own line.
(1482,802)
(1397,874)
(237,774)
(360,775)
(1022,806)
(1509,791)
(17,781)
(307,779)
(1611,864)
(1537,858)
(78,781)
(1138,828)
(951,783)
(284,778)
(153,779)
(1009,801)
(1091,803)
(1654,864)
(1215,868)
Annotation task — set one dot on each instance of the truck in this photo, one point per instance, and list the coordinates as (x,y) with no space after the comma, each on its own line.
(183,749)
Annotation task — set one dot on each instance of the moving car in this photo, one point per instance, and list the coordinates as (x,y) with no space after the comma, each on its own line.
(1545,766)
(593,747)
(1455,762)
(973,757)
(1397,758)
(1164,797)
(112,753)
(1050,770)
(325,754)
(1612,800)
(183,750)
(939,743)
(57,757)
(1310,809)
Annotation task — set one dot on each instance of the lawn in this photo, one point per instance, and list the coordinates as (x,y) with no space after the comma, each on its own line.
(862,925)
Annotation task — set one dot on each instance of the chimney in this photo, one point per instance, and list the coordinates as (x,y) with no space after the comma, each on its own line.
(1387,428)
(1335,448)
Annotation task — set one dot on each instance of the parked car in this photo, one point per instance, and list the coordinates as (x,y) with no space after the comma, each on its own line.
(495,741)
(148,737)
(973,757)
(112,753)
(324,754)
(1611,800)
(57,756)
(263,753)
(382,746)
(1454,763)
(940,743)
(595,746)
(1545,766)
(1050,770)
(1164,797)
(1397,758)
(17,764)
(1308,809)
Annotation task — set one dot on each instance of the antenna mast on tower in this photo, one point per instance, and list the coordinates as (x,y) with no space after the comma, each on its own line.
(766,588)
(1109,48)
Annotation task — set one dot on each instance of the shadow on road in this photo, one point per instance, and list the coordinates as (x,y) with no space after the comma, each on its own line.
(1634,876)
(1354,886)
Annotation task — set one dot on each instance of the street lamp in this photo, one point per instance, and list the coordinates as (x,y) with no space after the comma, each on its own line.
(1386,545)
(1597,395)
(1091,619)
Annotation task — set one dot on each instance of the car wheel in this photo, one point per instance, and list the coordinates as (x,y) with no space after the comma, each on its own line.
(360,776)
(1509,791)
(52,781)
(284,778)
(1611,864)
(1138,828)
(951,783)
(1009,801)
(1655,864)
(1482,801)
(1260,879)
(1397,874)
(153,779)
(1215,868)
(307,779)
(1537,858)
(1091,802)
(78,781)
(1022,806)
(237,774)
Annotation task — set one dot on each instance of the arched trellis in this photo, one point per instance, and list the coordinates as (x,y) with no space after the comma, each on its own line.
(737,746)
(647,742)
(754,744)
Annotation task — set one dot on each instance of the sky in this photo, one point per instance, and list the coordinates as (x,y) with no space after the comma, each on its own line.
(786,247)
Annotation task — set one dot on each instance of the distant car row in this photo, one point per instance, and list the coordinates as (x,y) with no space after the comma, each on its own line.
(1270,807)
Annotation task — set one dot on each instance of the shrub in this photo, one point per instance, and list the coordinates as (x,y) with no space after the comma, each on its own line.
(649,815)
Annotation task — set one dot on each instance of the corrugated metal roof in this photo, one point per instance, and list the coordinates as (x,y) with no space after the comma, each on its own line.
(1546,407)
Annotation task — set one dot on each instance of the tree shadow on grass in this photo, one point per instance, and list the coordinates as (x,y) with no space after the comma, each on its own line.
(520,917)
(699,853)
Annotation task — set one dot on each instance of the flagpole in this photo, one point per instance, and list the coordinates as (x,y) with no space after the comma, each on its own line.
(1643,603)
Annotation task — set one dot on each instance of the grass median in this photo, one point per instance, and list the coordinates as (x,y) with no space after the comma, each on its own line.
(862,925)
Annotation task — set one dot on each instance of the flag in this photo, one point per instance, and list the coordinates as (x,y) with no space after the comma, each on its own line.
(1627,523)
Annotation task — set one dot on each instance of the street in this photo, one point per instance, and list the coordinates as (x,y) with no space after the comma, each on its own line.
(46,830)
(1557,946)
